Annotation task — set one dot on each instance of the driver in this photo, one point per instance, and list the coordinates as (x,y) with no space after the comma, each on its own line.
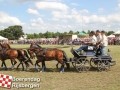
(92,42)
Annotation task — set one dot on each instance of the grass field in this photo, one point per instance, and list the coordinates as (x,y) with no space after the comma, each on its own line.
(72,80)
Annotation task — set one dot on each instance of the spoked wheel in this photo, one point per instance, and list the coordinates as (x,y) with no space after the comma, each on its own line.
(86,66)
(107,65)
(100,66)
(92,62)
(103,65)
(82,65)
(78,65)
(73,61)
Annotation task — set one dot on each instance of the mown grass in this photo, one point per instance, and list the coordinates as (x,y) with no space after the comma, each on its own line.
(72,80)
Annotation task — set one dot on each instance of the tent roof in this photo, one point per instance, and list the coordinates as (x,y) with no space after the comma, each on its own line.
(3,38)
(21,38)
(110,36)
(117,32)
(82,33)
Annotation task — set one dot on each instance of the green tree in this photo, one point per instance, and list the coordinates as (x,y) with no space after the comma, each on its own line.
(71,32)
(48,34)
(77,32)
(12,32)
(110,32)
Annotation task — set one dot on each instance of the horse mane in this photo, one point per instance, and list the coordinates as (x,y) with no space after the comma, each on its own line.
(31,45)
(6,45)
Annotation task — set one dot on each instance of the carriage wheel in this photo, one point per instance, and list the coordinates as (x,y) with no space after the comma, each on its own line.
(106,65)
(103,65)
(86,65)
(73,61)
(92,62)
(100,65)
(79,65)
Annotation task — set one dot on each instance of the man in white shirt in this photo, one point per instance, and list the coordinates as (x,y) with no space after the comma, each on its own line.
(104,43)
(99,37)
(92,42)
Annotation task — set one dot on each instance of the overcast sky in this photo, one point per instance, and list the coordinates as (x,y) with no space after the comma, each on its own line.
(60,15)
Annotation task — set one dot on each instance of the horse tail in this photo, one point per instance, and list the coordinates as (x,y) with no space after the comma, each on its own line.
(19,53)
(66,60)
(65,56)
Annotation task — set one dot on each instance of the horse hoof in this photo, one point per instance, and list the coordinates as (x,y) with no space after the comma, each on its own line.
(61,71)
(26,69)
(12,67)
(5,68)
(41,71)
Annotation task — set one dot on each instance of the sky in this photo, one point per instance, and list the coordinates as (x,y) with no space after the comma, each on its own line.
(37,16)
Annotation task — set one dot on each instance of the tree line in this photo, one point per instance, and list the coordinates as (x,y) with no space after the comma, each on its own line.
(12,32)
(16,31)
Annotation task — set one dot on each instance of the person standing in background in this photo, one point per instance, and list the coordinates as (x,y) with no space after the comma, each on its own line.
(104,43)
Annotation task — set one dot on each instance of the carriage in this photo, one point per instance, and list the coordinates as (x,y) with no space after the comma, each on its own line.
(91,57)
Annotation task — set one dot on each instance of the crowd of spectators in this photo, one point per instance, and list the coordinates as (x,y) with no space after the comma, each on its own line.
(55,41)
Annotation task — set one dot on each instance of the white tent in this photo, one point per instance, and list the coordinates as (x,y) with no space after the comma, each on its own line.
(21,38)
(3,38)
(111,36)
(118,32)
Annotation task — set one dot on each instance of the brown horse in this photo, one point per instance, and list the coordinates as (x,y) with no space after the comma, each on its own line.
(8,53)
(35,45)
(43,55)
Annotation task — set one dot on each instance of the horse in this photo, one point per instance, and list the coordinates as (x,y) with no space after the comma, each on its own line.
(35,45)
(7,52)
(43,55)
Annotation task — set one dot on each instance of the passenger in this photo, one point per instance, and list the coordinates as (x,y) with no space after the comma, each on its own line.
(104,43)
(99,38)
(92,42)
(98,44)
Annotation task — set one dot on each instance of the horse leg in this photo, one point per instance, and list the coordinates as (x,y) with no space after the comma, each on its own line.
(22,66)
(27,65)
(18,65)
(66,60)
(37,65)
(13,64)
(57,65)
(43,66)
(62,67)
(4,65)
(67,65)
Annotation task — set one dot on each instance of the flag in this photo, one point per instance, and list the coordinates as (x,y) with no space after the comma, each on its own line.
(5,81)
